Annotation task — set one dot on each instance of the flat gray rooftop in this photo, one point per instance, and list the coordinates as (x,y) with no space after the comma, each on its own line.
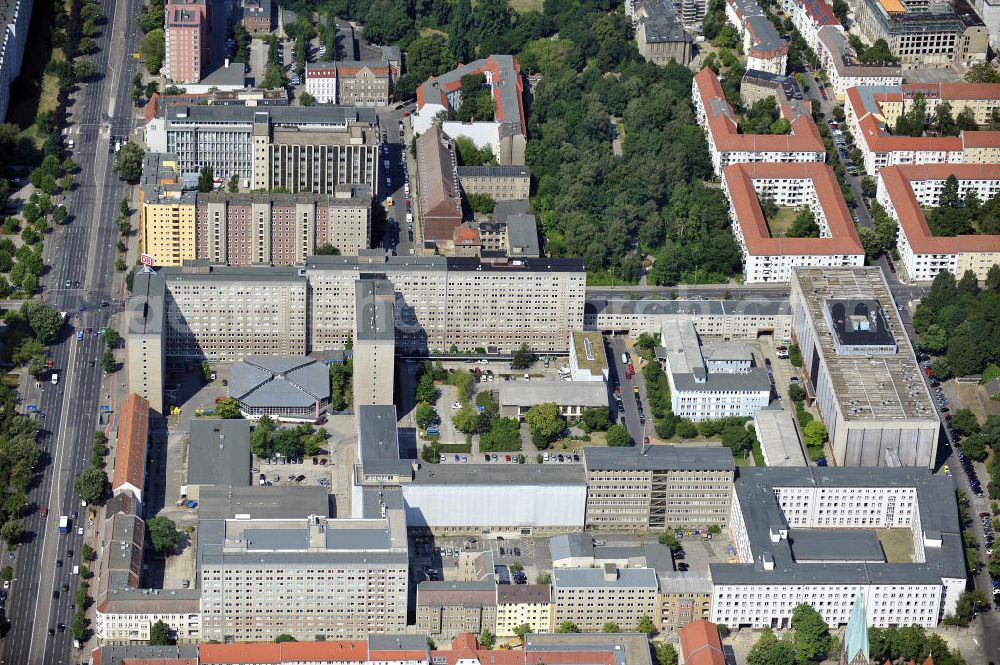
(275,502)
(373,310)
(577,393)
(832,545)
(219,453)
(877,387)
(659,458)
(594,578)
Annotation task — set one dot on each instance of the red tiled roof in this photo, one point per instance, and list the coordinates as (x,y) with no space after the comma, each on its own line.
(746,206)
(249,654)
(133,434)
(725,132)
(700,644)
(465,647)
(467,234)
(897,179)
(875,136)
(159,661)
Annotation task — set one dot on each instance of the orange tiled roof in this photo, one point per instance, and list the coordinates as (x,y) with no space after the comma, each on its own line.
(725,133)
(133,434)
(897,179)
(700,644)
(844,237)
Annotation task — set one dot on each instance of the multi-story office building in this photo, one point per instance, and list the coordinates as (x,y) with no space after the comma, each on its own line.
(728,319)
(858,363)
(225,313)
(299,149)
(839,60)
(311,578)
(15,15)
(728,146)
(925,34)
(374,342)
(177,225)
(710,386)
(657,487)
(462,301)
(811,535)
(447,609)
(214,312)
(906,191)
(592,597)
(872,111)
(810,185)
(126,616)
(506,134)
(187,40)
(520,604)
(765,49)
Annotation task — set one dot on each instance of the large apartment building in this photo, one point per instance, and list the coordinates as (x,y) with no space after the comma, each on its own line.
(298,149)
(15,15)
(791,185)
(593,597)
(906,191)
(861,369)
(728,146)
(657,487)
(312,578)
(187,40)
(225,313)
(812,535)
(351,83)
(872,111)
(839,60)
(178,225)
(921,33)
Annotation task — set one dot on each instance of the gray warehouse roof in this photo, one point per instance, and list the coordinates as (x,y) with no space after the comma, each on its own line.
(494,171)
(279,381)
(327,116)
(660,458)
(571,545)
(276,502)
(116,655)
(779,440)
(219,453)
(835,545)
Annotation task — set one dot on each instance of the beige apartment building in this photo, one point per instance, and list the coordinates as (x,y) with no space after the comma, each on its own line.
(683,598)
(501,183)
(314,578)
(592,597)
(658,487)
(446,609)
(442,301)
(125,616)
(221,313)
(251,228)
(520,604)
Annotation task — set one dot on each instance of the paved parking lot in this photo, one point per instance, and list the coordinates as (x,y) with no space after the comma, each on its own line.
(443,559)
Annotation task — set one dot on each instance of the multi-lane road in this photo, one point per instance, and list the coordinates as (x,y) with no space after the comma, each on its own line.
(81,252)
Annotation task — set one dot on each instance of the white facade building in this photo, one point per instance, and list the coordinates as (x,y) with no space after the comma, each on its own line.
(806,535)
(841,63)
(710,390)
(321,81)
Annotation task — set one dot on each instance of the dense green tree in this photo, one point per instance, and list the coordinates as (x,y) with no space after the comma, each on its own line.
(93,485)
(814,434)
(152,49)
(160,634)
(163,534)
(545,421)
(567,627)
(487,639)
(228,409)
(425,415)
(769,650)
(878,53)
(618,436)
(804,225)
(812,635)
(128,161)
(595,419)
(523,358)
(982,72)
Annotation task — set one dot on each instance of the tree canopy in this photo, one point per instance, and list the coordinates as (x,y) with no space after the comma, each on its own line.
(163,534)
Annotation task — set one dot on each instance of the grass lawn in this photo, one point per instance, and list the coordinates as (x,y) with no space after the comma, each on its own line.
(35,90)
(897,544)
(526,5)
(424,32)
(778,225)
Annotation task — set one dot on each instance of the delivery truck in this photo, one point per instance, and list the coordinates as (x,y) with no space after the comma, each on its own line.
(64,524)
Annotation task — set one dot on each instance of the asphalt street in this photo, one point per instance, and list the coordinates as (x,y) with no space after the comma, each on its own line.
(82,251)
(397,236)
(636,429)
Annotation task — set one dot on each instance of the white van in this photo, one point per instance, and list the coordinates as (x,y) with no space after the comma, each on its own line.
(76,570)
(55,379)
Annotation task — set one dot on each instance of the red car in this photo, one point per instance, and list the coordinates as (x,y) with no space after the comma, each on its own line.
(45,511)
(928,371)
